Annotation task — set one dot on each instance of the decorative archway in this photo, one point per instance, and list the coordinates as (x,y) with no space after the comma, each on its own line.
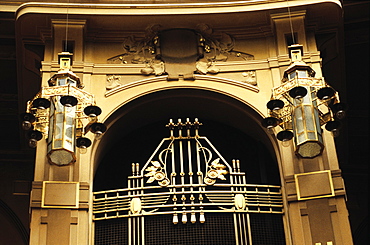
(233,129)
(151,113)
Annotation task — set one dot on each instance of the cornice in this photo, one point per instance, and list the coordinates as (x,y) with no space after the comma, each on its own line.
(162,8)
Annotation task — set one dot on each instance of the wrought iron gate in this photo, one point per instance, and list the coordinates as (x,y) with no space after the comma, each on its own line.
(187,193)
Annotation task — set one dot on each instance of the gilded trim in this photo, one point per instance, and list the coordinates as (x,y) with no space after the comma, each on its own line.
(319,196)
(60,206)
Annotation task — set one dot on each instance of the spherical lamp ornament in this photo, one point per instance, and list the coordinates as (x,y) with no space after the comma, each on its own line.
(68,100)
(98,128)
(83,142)
(92,111)
(275,104)
(284,135)
(339,110)
(41,103)
(298,92)
(27,120)
(333,126)
(325,93)
(34,136)
(270,122)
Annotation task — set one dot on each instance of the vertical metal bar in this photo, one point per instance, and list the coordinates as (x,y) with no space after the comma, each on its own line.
(182,177)
(138,227)
(173,163)
(132,230)
(190,163)
(240,229)
(181,163)
(236,229)
(199,170)
(200,180)
(249,229)
(142,230)
(191,180)
(243,227)
(129,231)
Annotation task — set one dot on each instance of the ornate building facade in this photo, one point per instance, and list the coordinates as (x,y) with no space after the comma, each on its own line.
(184,122)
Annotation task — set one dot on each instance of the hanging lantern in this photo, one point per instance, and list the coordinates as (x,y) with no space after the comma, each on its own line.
(301,105)
(62,129)
(306,125)
(62,117)
(57,112)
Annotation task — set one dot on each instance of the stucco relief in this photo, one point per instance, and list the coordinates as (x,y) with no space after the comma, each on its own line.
(250,77)
(112,82)
(168,52)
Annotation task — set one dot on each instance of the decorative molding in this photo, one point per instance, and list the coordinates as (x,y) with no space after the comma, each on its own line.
(60,194)
(116,89)
(314,185)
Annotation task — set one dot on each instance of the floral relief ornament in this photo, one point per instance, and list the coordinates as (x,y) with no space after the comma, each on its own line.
(157,172)
(113,81)
(216,171)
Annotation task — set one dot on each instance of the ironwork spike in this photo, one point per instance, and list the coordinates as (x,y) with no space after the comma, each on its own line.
(171,126)
(188,126)
(196,125)
(179,126)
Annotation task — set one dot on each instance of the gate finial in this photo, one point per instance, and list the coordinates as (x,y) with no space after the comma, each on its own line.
(180,126)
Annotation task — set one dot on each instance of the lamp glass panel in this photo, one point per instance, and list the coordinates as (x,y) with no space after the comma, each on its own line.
(58,134)
(67,144)
(69,133)
(312,135)
(71,82)
(292,75)
(306,99)
(62,81)
(309,118)
(298,118)
(302,73)
(62,132)
(317,120)
(301,138)
(58,144)
(58,131)
(69,121)
(51,123)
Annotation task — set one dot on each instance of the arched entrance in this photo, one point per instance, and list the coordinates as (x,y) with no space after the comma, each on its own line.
(231,126)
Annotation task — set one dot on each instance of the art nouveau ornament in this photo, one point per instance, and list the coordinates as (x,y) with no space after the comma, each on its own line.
(301,105)
(58,111)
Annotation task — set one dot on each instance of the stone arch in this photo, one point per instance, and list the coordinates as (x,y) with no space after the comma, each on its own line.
(149,113)
(13,225)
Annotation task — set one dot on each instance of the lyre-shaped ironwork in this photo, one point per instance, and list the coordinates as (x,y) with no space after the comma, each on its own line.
(187,177)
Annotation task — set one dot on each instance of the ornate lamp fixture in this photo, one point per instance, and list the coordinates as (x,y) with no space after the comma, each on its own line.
(58,111)
(301,105)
